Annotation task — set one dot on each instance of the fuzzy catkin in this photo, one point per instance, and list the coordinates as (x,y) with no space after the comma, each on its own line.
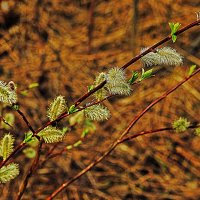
(9,172)
(97,113)
(6,146)
(56,108)
(8,92)
(163,56)
(116,82)
(51,134)
(101,93)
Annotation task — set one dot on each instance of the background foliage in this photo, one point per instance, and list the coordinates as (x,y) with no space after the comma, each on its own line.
(62,45)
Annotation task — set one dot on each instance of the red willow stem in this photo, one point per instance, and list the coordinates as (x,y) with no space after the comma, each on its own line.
(150,132)
(5,122)
(29,173)
(50,156)
(85,96)
(118,141)
(26,120)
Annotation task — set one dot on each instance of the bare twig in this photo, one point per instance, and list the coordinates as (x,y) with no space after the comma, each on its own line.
(29,173)
(150,132)
(4,121)
(26,120)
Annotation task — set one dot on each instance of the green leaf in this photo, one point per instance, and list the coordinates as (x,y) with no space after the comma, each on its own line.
(69,147)
(171,25)
(90,87)
(29,152)
(133,78)
(192,69)
(72,109)
(77,118)
(84,133)
(24,92)
(34,142)
(28,137)
(9,118)
(174,28)
(174,37)
(197,131)
(88,124)
(146,74)
(33,85)
(15,107)
(65,129)
(77,143)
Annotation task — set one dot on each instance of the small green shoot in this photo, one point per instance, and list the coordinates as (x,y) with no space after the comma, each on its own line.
(191,70)
(133,78)
(90,87)
(33,85)
(174,28)
(72,109)
(146,74)
(28,137)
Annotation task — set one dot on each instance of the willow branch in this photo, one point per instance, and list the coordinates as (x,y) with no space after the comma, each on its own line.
(164,40)
(128,138)
(136,58)
(118,141)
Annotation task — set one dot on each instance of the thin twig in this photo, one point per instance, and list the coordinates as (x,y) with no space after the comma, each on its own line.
(5,122)
(29,173)
(118,141)
(168,38)
(26,120)
(128,138)
(50,156)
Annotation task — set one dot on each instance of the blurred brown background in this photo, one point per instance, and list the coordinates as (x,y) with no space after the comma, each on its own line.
(62,45)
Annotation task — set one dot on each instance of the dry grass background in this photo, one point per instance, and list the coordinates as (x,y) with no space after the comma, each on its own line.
(62,45)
